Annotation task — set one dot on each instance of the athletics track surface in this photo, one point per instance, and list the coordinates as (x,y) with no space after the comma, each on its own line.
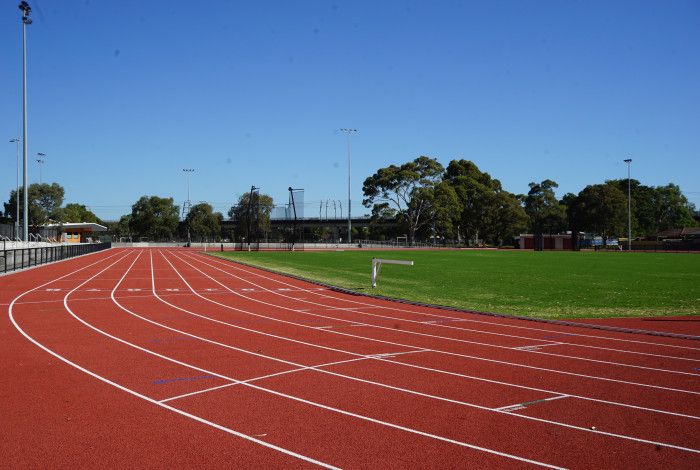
(168,357)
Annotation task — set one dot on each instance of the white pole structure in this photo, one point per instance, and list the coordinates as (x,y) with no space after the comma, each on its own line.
(26,10)
(188,204)
(349,132)
(629,204)
(377,267)
(40,160)
(16,141)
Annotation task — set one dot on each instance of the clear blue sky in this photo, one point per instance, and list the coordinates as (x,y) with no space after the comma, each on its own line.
(124,94)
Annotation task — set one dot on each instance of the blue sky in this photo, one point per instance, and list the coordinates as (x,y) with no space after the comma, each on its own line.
(124,94)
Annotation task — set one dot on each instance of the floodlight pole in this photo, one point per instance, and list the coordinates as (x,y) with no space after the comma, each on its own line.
(26,10)
(40,160)
(188,203)
(349,132)
(16,141)
(629,204)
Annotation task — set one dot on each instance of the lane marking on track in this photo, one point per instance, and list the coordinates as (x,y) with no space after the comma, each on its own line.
(249,270)
(496,346)
(182,379)
(298,369)
(419,393)
(139,395)
(522,406)
(284,395)
(536,347)
(453,374)
(255,379)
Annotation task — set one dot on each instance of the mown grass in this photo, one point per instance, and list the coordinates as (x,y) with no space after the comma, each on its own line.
(543,284)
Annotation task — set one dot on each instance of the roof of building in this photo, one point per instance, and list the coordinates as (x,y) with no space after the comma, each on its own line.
(679,232)
(84,225)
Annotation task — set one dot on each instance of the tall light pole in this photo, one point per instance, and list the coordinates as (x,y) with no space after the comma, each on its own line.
(349,132)
(629,204)
(16,141)
(40,160)
(188,203)
(26,10)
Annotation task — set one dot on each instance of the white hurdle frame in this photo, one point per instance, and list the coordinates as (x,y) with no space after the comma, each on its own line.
(377,267)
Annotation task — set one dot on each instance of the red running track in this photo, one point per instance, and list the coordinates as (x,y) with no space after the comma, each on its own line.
(149,357)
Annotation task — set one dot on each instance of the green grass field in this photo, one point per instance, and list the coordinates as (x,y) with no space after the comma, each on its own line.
(544,284)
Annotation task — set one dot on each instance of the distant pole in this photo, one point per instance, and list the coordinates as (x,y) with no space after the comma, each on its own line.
(629,204)
(16,141)
(349,132)
(26,10)
(188,204)
(40,160)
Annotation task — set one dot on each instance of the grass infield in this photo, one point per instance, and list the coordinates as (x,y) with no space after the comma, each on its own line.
(544,284)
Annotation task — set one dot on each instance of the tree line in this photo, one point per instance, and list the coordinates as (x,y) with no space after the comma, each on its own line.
(419,199)
(46,207)
(464,204)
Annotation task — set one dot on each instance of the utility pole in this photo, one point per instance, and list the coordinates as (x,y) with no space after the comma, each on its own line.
(349,132)
(26,10)
(187,206)
(629,204)
(16,141)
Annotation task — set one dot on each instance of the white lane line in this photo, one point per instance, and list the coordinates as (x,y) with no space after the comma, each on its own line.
(426,395)
(536,346)
(163,405)
(446,338)
(283,395)
(402,364)
(521,406)
(393,343)
(255,379)
(247,270)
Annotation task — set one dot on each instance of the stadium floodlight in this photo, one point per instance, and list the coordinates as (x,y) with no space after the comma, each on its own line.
(40,160)
(349,132)
(629,204)
(16,141)
(26,10)
(187,206)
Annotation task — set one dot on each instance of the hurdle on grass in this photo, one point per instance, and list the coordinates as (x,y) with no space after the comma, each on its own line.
(377,266)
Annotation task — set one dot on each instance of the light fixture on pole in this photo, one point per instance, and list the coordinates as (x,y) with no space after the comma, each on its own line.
(629,204)
(349,132)
(40,160)
(16,141)
(187,206)
(26,10)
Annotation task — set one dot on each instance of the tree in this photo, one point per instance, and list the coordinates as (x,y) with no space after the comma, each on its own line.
(204,222)
(547,214)
(508,218)
(44,200)
(385,222)
(655,209)
(601,209)
(406,188)
(75,213)
(256,213)
(442,209)
(120,229)
(486,211)
(154,218)
(672,209)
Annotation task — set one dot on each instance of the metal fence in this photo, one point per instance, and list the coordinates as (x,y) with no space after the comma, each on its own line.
(20,258)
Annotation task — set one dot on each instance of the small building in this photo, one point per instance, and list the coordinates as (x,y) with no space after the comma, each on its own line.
(558,241)
(80,232)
